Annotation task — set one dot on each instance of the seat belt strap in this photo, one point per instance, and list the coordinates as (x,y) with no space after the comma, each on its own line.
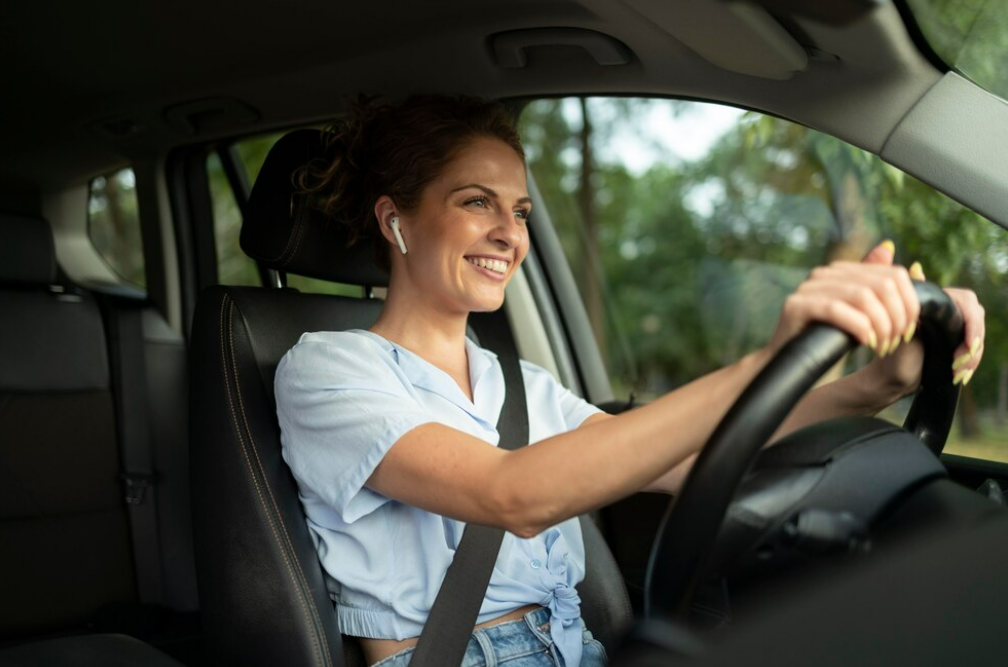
(446,634)
(129,383)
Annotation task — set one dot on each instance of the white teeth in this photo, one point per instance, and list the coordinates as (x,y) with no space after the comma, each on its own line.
(495,265)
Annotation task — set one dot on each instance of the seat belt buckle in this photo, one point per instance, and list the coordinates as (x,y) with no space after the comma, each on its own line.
(135,486)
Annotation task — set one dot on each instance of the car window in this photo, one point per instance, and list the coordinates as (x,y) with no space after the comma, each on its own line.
(970,36)
(113,218)
(233,265)
(686,224)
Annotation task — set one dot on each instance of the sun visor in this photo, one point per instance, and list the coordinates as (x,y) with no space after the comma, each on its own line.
(736,36)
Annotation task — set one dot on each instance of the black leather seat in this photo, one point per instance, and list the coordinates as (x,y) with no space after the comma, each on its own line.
(262,591)
(64,533)
(63,526)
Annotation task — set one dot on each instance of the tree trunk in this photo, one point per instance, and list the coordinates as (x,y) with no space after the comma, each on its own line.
(969,422)
(1001,416)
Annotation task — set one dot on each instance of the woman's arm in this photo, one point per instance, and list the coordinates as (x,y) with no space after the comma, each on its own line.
(876,386)
(525,491)
(855,394)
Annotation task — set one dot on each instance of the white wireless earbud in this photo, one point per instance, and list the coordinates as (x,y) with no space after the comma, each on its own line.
(398,234)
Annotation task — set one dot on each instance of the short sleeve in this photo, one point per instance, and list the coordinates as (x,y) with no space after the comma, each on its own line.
(542,386)
(342,403)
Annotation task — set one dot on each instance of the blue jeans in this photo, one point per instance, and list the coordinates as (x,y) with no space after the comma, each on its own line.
(522,643)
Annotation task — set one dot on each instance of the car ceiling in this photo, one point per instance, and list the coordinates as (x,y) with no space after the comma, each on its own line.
(91,85)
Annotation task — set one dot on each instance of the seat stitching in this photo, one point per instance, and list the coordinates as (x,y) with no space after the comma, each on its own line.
(269,491)
(290,239)
(255,452)
(298,236)
(228,304)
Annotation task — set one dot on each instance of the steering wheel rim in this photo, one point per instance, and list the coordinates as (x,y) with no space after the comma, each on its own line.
(689,528)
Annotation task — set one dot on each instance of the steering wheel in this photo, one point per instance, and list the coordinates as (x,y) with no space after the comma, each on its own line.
(689,529)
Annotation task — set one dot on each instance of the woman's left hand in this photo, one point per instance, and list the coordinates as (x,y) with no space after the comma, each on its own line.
(899,371)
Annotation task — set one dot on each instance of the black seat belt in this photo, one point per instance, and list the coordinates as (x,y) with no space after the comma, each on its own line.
(446,634)
(129,383)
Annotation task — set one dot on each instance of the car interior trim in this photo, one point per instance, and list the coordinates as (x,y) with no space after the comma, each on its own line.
(591,368)
(968,158)
(523,314)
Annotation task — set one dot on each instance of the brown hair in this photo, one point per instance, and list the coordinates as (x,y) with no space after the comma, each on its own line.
(396,150)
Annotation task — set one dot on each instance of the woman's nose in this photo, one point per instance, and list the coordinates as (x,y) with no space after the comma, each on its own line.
(507,231)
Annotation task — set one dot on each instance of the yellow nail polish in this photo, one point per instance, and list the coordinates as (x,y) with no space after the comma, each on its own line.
(961,360)
(889,244)
(911,330)
(958,377)
(916,271)
(892,345)
(969,376)
(974,346)
(873,341)
(884,348)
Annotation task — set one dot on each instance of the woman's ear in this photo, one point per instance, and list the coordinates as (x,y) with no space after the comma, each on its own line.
(389,222)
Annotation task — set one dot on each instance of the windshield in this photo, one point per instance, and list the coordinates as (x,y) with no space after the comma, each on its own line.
(971,36)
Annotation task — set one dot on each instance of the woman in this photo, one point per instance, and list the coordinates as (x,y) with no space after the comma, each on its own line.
(389,431)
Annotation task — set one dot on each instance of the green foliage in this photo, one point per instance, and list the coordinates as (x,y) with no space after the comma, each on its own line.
(233,266)
(696,257)
(969,35)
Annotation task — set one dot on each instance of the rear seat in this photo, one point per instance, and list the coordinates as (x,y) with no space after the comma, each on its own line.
(66,551)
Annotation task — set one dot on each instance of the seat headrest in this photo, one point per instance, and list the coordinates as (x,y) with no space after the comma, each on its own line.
(27,255)
(283,231)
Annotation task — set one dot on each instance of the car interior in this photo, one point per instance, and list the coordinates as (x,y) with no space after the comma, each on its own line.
(157,260)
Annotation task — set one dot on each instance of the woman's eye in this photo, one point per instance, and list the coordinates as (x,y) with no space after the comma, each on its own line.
(522,213)
(481,201)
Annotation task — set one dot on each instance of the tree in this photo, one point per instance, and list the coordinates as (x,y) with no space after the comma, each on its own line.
(692,286)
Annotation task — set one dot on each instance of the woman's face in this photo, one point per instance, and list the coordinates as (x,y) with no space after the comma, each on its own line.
(468,236)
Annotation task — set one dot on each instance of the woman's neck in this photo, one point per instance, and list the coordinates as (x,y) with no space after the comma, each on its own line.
(434,337)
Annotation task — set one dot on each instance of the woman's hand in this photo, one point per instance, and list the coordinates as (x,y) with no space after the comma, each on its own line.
(901,372)
(875,302)
(872,300)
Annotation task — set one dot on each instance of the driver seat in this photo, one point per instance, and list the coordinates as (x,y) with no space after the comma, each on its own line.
(262,591)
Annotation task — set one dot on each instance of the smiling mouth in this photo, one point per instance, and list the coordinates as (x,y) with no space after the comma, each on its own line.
(496,265)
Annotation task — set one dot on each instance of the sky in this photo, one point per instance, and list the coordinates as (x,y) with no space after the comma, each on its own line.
(684,130)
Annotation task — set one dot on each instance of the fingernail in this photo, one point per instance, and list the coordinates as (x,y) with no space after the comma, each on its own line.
(975,346)
(911,330)
(873,341)
(895,343)
(916,271)
(885,348)
(969,376)
(961,360)
(890,245)
(958,377)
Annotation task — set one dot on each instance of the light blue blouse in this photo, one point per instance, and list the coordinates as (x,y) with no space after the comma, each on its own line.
(343,399)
